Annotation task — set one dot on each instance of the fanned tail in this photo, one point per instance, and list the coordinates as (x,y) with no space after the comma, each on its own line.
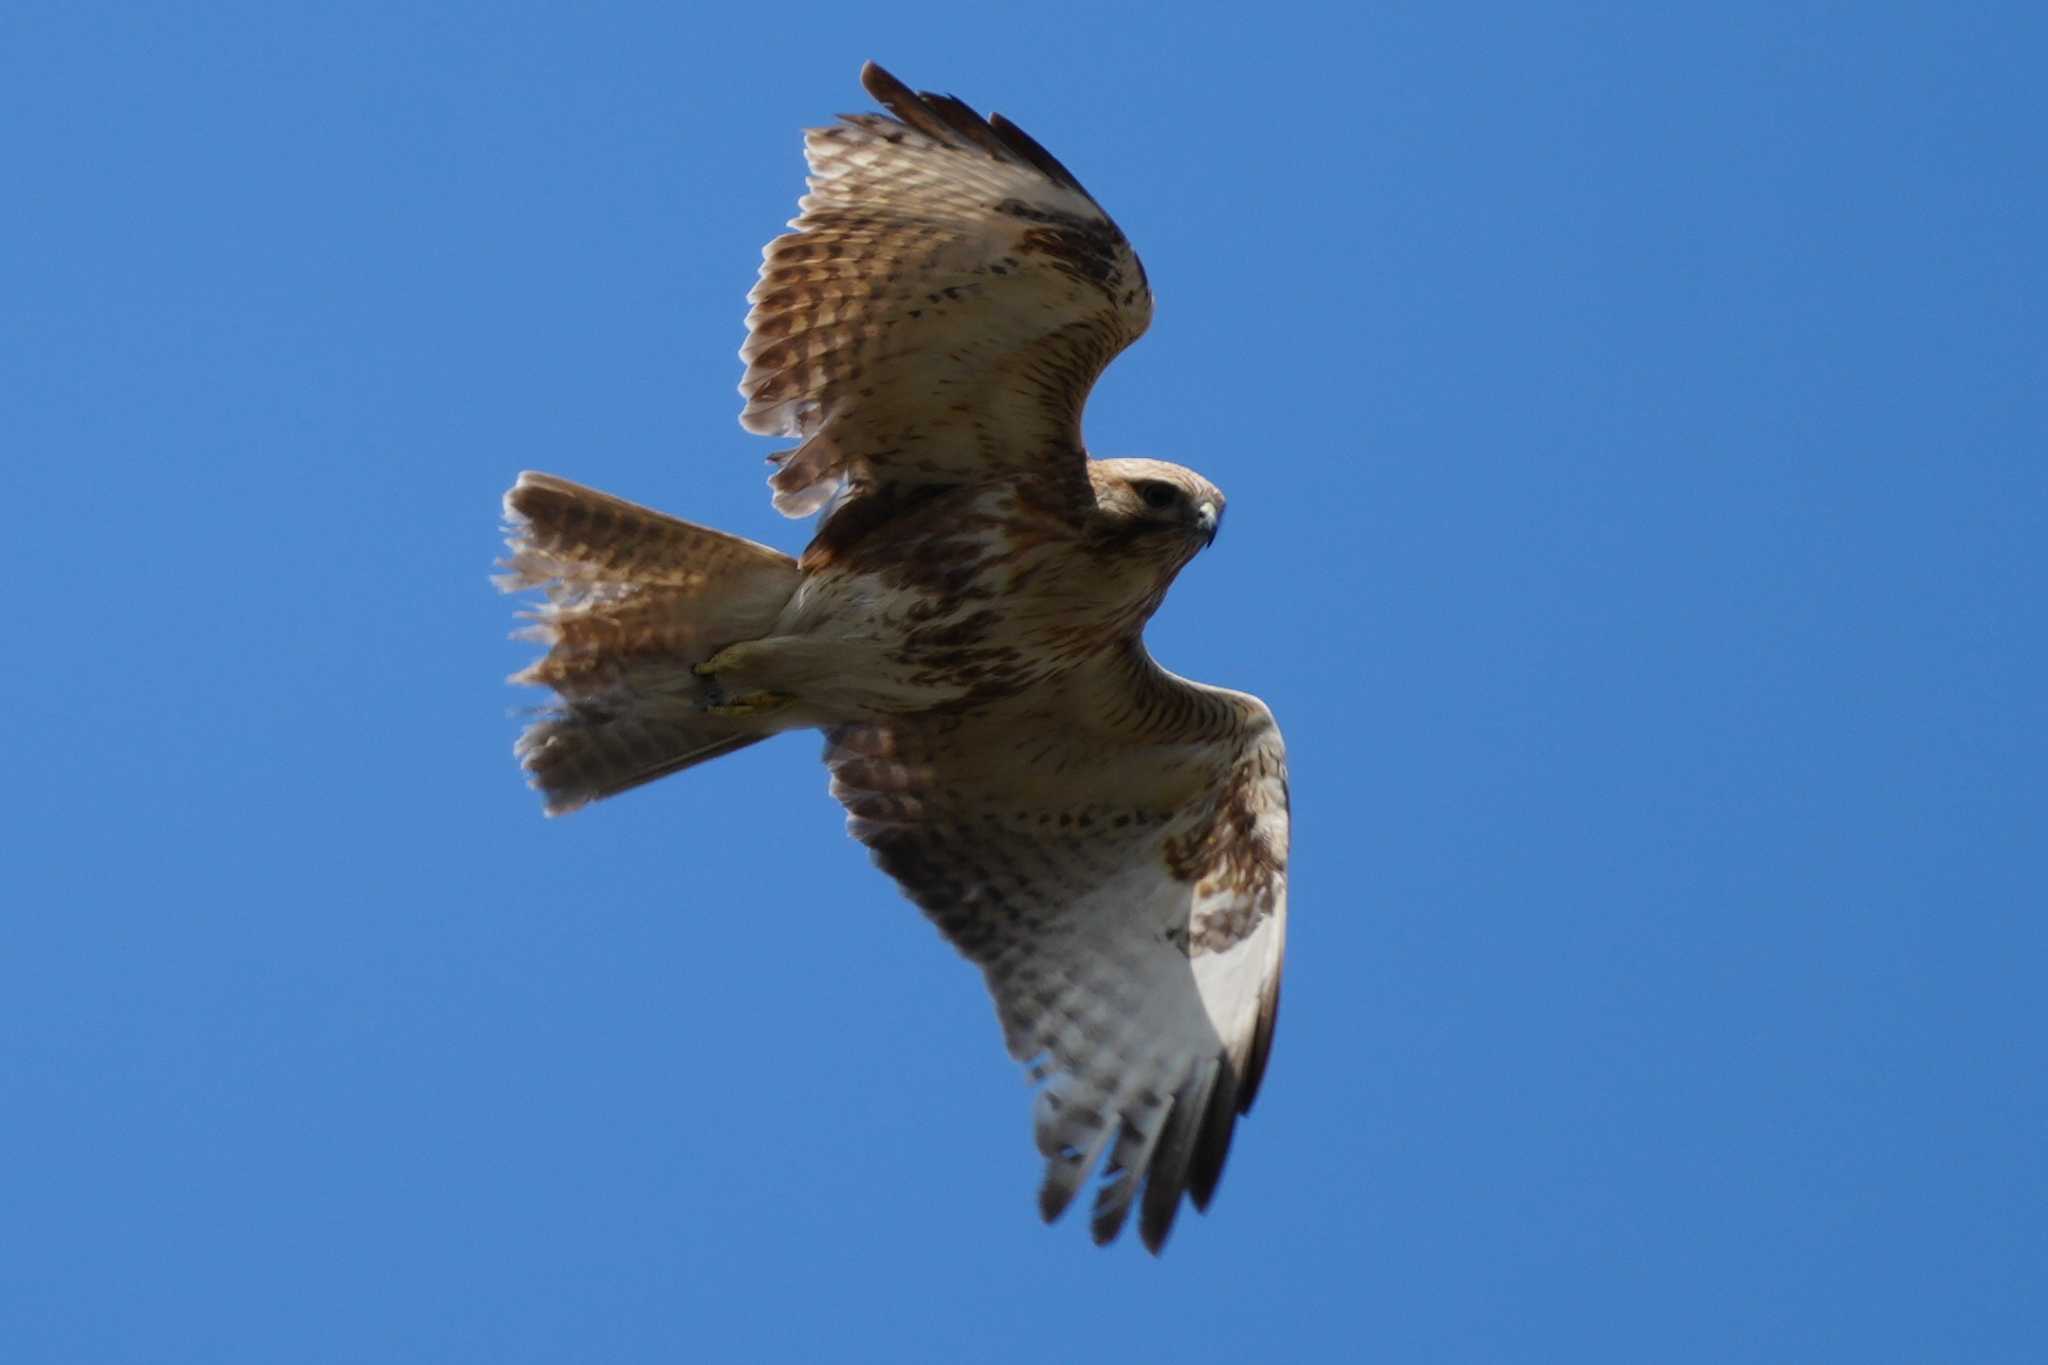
(635,599)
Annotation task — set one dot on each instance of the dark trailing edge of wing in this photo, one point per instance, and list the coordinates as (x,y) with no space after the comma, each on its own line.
(1196,1140)
(1262,1046)
(948,120)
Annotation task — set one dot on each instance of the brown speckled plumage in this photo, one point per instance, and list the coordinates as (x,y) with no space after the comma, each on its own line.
(1106,841)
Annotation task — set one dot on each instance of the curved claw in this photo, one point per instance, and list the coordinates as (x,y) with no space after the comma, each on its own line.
(724,661)
(749,704)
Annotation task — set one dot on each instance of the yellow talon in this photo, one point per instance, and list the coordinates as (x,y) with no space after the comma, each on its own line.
(725,660)
(749,704)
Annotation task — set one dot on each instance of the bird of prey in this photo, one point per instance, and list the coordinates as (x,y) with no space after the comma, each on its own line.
(1105,840)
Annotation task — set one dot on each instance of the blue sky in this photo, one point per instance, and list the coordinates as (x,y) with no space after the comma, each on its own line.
(1634,429)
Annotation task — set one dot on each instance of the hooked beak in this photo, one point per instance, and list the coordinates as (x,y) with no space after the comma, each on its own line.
(1208,520)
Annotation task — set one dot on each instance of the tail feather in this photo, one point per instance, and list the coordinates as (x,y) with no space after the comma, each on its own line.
(634,599)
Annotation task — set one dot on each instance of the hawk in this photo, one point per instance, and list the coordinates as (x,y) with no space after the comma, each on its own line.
(1105,840)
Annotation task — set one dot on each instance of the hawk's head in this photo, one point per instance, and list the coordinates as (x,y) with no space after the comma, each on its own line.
(1153,510)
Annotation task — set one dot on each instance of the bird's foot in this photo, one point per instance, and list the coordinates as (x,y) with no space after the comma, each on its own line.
(729,692)
(747,704)
(726,660)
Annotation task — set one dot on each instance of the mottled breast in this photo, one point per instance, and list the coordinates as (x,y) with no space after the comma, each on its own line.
(965,593)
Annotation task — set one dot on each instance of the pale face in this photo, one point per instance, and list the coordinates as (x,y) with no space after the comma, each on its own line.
(1160,510)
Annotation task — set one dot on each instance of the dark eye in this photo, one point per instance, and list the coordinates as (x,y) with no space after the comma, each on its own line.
(1159,496)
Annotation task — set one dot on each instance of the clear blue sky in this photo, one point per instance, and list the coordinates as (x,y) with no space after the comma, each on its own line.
(1634,427)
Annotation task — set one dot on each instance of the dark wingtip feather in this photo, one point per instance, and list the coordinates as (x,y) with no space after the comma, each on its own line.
(1108,1219)
(879,83)
(1065,1173)
(900,100)
(1166,1179)
(1028,148)
(1212,1144)
(950,120)
(1262,1044)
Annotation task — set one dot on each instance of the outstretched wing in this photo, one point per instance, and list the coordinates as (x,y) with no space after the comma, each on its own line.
(1114,859)
(947,300)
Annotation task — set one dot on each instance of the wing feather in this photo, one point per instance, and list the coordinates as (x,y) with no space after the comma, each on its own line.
(1125,897)
(947,299)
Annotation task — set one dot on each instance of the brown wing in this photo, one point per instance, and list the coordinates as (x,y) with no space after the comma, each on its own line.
(1115,862)
(947,300)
